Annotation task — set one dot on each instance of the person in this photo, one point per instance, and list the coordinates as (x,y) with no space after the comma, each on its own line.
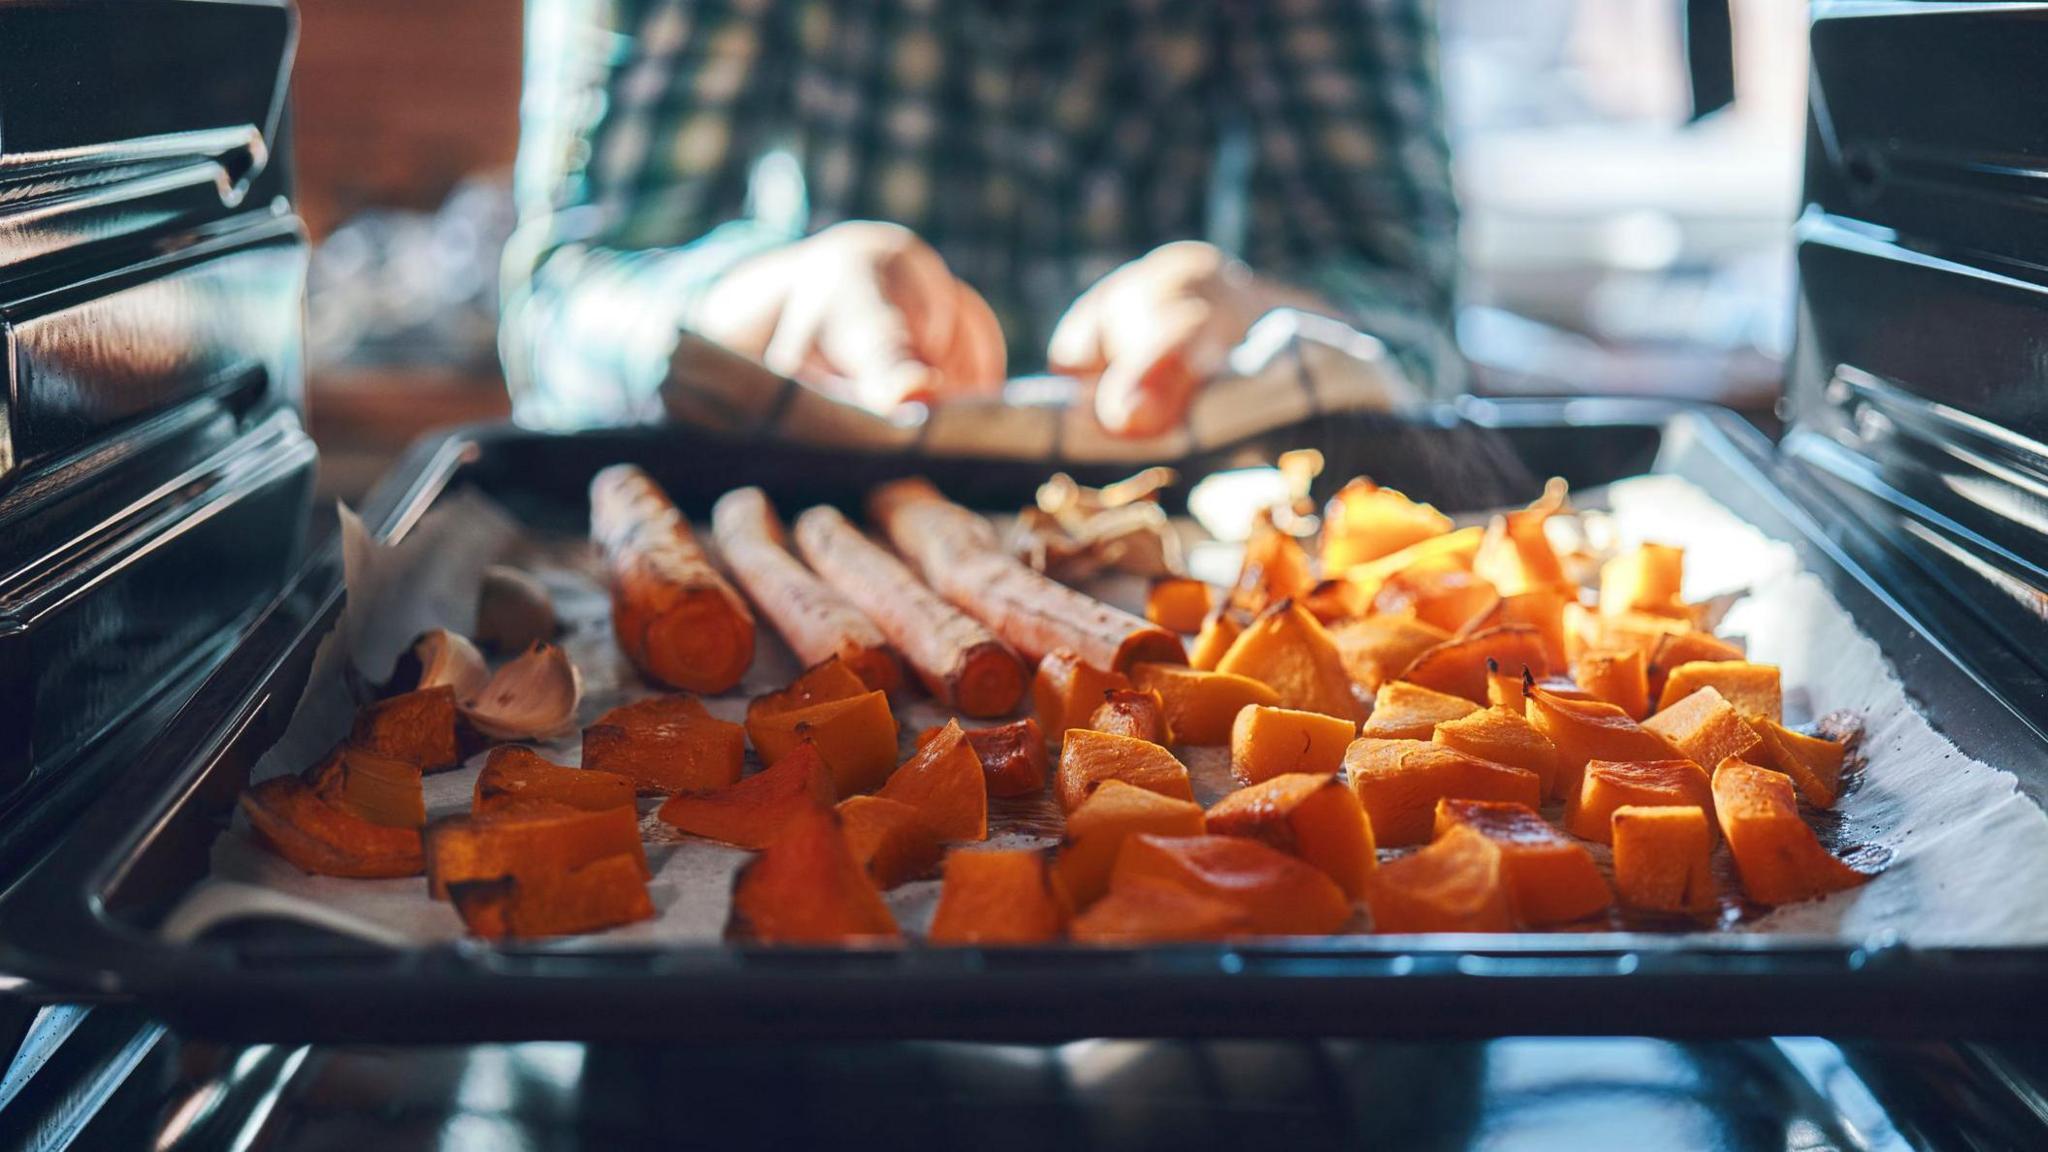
(901,201)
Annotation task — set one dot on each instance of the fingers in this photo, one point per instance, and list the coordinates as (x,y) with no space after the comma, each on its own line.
(1076,347)
(1145,390)
(975,363)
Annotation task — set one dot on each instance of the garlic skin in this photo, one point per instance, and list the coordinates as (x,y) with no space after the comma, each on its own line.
(531,698)
(513,610)
(439,657)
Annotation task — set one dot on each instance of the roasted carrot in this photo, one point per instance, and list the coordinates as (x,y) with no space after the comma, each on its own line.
(959,662)
(676,618)
(815,621)
(959,554)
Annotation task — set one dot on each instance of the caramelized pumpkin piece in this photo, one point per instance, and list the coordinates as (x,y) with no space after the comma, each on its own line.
(1266,742)
(1459,667)
(1643,784)
(1276,567)
(1454,885)
(1813,763)
(1675,648)
(1404,711)
(1451,550)
(1551,879)
(1278,894)
(806,888)
(753,812)
(1753,689)
(1139,713)
(1008,897)
(1066,690)
(1620,676)
(1398,783)
(1515,555)
(1377,648)
(943,780)
(528,840)
(380,789)
(1663,859)
(1156,912)
(515,773)
(417,727)
(1647,578)
(1506,690)
(1201,706)
(1087,758)
(1097,829)
(832,679)
(1309,815)
(1012,755)
(1441,597)
(1290,652)
(891,839)
(1705,727)
(602,894)
(291,820)
(1503,737)
(666,744)
(856,737)
(1218,633)
(1364,521)
(1541,609)
(1586,730)
(1777,856)
(1178,604)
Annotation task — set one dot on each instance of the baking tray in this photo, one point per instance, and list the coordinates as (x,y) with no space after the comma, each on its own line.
(81,924)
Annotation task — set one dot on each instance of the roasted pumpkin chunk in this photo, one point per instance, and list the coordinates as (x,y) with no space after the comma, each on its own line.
(1404,711)
(1620,676)
(1289,651)
(1813,762)
(1457,884)
(526,841)
(943,780)
(1097,829)
(1278,894)
(1087,758)
(832,679)
(1705,727)
(1515,555)
(1178,604)
(1266,742)
(1753,689)
(1586,730)
(752,812)
(1663,859)
(855,736)
(1440,596)
(417,727)
(1551,879)
(1310,815)
(1376,649)
(291,820)
(806,888)
(1608,785)
(666,744)
(1398,782)
(1012,755)
(604,893)
(1218,633)
(1066,690)
(1647,578)
(1276,567)
(1139,713)
(380,789)
(1460,667)
(1541,609)
(515,773)
(895,842)
(1007,897)
(1503,737)
(1777,856)
(1506,690)
(1201,706)
(1364,521)
(1675,648)
(1155,912)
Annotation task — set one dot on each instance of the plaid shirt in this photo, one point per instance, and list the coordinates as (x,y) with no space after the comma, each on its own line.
(1036,145)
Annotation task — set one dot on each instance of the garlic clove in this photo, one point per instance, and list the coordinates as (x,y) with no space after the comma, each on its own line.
(439,657)
(513,610)
(531,698)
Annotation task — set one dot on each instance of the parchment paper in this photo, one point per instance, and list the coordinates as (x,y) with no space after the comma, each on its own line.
(1959,846)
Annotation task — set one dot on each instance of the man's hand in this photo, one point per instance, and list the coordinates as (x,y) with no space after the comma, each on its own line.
(864,311)
(1153,331)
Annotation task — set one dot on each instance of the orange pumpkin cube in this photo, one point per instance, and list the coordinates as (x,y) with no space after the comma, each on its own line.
(417,727)
(1376,649)
(1278,894)
(1266,742)
(1506,690)
(1451,550)
(1586,730)
(832,679)
(1178,604)
(1778,858)
(1460,667)
(1440,596)
(1753,689)
(1648,578)
(943,780)
(1515,555)
(1364,521)
(752,812)
(514,773)
(1012,755)
(290,819)
(1663,859)
(1310,815)
(1276,567)
(1201,706)
(381,789)
(1457,884)
(1503,737)
(1156,912)
(1705,727)
(1009,897)
(1398,783)
(1674,648)
(1139,713)
(526,841)
(604,893)
(1550,879)
(895,842)
(1290,652)
(856,737)
(1218,633)
(1619,676)
(806,888)
(1087,758)
(1065,691)
(1645,784)
(1404,711)
(1114,811)
(1331,602)
(666,744)
(1813,763)
(1540,608)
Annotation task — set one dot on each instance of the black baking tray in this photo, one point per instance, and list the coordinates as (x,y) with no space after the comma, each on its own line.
(81,924)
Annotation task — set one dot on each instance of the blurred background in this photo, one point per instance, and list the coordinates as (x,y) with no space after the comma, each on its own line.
(1614,242)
